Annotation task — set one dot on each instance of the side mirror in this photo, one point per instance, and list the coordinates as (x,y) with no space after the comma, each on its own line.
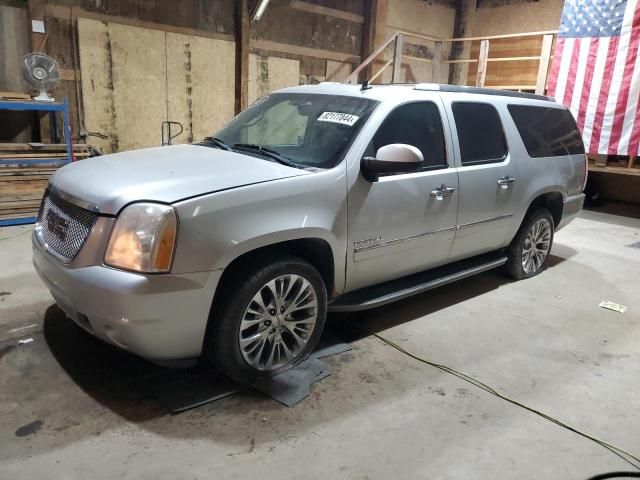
(393,158)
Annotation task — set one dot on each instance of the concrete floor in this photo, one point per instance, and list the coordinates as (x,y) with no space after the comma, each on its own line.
(74,408)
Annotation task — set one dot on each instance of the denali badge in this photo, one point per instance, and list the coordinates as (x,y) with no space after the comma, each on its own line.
(57,225)
(366,243)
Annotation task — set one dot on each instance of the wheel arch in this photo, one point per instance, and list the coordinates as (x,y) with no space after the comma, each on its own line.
(551,200)
(317,251)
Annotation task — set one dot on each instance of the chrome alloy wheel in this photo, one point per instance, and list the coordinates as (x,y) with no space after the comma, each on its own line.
(278,322)
(536,246)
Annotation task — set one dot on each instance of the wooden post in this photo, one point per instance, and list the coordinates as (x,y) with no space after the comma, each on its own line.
(374,31)
(242,54)
(36,12)
(397,58)
(463,27)
(632,161)
(436,62)
(601,160)
(543,66)
(482,63)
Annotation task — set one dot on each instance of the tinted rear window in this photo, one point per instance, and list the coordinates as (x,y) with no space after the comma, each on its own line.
(547,132)
(480,133)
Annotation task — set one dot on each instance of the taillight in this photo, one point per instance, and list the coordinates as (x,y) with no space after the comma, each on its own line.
(586,172)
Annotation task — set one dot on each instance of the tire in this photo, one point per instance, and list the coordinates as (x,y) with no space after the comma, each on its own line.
(520,265)
(242,319)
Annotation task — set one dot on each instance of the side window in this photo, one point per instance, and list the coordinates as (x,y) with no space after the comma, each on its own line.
(547,132)
(418,124)
(480,133)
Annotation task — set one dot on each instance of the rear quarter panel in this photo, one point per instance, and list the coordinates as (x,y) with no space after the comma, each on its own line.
(537,176)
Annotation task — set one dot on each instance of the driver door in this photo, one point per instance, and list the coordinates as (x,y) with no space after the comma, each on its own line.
(397,226)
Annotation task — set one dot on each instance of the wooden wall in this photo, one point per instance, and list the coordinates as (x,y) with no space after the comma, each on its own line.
(134,78)
(521,73)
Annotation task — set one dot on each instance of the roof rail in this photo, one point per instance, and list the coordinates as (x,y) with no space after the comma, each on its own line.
(479,91)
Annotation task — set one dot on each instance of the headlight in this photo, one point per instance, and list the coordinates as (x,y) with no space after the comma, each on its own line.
(143,238)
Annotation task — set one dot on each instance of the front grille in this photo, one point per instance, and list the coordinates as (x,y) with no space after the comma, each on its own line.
(63,226)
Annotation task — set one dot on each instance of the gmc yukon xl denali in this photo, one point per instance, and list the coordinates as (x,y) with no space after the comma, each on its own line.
(320,198)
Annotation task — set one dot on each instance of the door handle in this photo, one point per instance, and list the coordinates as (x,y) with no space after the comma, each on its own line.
(505,181)
(442,191)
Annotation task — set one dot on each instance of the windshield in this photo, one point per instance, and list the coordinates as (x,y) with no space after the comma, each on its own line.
(309,129)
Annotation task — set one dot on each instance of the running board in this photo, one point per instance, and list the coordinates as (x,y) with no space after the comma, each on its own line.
(388,292)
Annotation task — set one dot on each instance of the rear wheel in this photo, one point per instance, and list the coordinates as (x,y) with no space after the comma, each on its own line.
(271,319)
(530,248)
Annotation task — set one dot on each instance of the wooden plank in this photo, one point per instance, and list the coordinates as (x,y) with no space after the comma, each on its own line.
(41,147)
(512,59)
(242,55)
(521,72)
(96,65)
(15,96)
(64,12)
(614,170)
(139,84)
(482,63)
(303,51)
(497,37)
(379,72)
(543,68)
(33,155)
(329,12)
(397,59)
(201,76)
(337,71)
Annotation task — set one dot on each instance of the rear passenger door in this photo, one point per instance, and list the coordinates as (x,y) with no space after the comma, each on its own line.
(487,178)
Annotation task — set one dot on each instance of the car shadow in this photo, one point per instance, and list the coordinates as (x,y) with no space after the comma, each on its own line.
(116,379)
(111,376)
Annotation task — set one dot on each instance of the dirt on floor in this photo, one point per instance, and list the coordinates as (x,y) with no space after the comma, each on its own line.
(73,407)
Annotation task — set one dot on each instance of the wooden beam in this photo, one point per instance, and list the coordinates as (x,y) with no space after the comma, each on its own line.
(373,33)
(303,51)
(62,12)
(397,59)
(496,37)
(463,26)
(242,54)
(36,12)
(543,67)
(436,63)
(329,12)
(482,63)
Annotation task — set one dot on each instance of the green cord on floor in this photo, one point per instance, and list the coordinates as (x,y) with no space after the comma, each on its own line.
(631,459)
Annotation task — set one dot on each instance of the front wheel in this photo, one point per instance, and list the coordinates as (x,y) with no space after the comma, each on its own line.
(271,320)
(530,248)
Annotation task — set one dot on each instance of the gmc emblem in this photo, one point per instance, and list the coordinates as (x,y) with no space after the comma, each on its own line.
(57,225)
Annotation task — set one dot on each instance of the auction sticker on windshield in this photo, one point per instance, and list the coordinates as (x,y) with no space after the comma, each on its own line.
(337,117)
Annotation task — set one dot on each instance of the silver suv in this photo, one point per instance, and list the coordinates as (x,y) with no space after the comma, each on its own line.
(318,198)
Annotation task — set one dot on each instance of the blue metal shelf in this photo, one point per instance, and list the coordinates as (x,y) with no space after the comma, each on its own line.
(52,108)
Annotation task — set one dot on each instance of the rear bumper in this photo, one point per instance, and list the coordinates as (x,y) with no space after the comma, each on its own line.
(159,317)
(571,209)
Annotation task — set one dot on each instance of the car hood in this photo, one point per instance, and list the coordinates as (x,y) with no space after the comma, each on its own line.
(163,174)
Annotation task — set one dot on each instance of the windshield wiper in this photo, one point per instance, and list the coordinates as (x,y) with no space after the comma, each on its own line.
(267,152)
(216,142)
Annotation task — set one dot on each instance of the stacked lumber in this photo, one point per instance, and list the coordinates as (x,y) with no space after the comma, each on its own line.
(25,170)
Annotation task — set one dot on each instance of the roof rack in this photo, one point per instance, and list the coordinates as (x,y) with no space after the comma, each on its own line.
(479,91)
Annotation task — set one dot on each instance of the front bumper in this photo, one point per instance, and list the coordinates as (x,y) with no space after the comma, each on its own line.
(159,317)
(571,209)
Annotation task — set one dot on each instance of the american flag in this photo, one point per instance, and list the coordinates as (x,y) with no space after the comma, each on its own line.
(596,72)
